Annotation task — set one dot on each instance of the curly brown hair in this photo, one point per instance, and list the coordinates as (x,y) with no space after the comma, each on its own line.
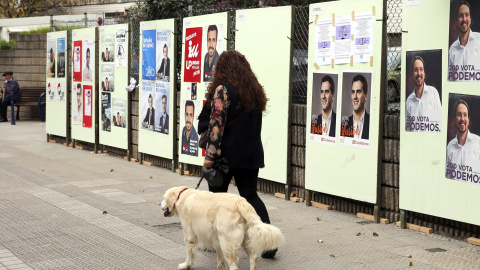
(234,68)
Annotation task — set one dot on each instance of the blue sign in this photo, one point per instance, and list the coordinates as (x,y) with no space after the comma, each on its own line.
(148,49)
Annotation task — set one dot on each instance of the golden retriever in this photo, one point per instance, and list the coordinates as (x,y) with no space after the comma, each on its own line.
(221,221)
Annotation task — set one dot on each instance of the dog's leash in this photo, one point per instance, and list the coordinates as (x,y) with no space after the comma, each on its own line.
(200,181)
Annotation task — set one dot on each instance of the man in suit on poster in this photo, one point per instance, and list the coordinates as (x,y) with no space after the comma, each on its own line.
(164,116)
(164,70)
(358,125)
(149,119)
(325,123)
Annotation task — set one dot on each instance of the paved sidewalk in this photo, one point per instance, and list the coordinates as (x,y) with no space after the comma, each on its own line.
(63,208)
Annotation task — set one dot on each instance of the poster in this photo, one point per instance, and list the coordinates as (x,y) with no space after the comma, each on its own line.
(87,108)
(343,42)
(121,47)
(119,112)
(355,116)
(148,110)
(163,54)
(106,112)
(61,58)
(161,99)
(423,91)
(464,41)
(106,77)
(189,133)
(363,35)
(108,45)
(51,58)
(324,46)
(77,61)
(463,140)
(214,38)
(87,60)
(50,91)
(77,104)
(193,49)
(148,50)
(60,91)
(323,117)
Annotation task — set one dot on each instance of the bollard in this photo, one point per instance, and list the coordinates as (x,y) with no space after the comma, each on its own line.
(12,106)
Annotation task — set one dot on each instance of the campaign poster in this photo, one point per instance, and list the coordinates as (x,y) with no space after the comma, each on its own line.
(160,101)
(163,54)
(88,52)
(108,45)
(355,115)
(193,94)
(323,117)
(119,112)
(343,39)
(106,112)
(423,91)
(61,58)
(363,35)
(193,49)
(147,113)
(60,91)
(50,91)
(191,111)
(463,140)
(121,47)
(213,38)
(148,54)
(51,58)
(106,77)
(77,61)
(324,45)
(87,108)
(77,101)
(464,41)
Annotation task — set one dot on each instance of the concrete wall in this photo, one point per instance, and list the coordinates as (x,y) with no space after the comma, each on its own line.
(28,64)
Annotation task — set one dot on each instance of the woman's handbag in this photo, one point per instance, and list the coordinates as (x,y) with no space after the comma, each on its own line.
(216,173)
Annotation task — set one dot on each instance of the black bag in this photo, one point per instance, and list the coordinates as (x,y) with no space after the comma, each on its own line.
(215,174)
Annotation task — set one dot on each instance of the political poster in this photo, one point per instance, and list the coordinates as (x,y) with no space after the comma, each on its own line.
(423,91)
(189,133)
(87,108)
(106,77)
(119,112)
(193,49)
(108,47)
(77,61)
(61,58)
(121,47)
(106,112)
(148,51)
(60,91)
(323,117)
(148,110)
(163,55)
(88,62)
(214,39)
(464,41)
(50,91)
(77,101)
(51,58)
(463,140)
(161,100)
(324,45)
(355,116)
(343,42)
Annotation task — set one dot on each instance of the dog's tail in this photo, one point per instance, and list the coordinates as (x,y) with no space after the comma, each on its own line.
(261,236)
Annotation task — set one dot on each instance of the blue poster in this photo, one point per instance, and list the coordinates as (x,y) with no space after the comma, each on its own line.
(61,58)
(148,50)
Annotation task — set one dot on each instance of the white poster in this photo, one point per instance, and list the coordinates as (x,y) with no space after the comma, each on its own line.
(163,55)
(324,47)
(88,52)
(363,35)
(60,91)
(50,91)
(121,47)
(77,104)
(343,39)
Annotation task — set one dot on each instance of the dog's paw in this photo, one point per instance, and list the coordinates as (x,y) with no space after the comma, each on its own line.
(183,266)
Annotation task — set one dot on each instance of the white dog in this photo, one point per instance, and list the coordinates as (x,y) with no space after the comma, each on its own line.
(221,221)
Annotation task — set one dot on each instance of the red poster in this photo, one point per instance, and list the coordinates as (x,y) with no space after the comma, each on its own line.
(87,108)
(77,61)
(193,48)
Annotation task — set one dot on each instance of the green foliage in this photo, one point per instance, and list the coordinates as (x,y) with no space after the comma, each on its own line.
(38,30)
(7,45)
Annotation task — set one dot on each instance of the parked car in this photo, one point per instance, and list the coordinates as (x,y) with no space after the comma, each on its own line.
(394,65)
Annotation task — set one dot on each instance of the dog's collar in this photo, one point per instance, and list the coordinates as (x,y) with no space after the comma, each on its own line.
(181,193)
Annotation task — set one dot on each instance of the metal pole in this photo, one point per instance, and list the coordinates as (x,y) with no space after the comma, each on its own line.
(51,23)
(86,19)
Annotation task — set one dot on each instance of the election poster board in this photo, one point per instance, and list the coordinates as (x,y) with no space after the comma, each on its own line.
(113,77)
(343,99)
(440,160)
(83,85)
(271,65)
(157,95)
(198,60)
(56,95)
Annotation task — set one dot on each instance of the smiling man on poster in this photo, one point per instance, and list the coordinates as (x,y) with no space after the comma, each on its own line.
(358,125)
(326,120)
(212,54)
(464,53)
(465,147)
(189,134)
